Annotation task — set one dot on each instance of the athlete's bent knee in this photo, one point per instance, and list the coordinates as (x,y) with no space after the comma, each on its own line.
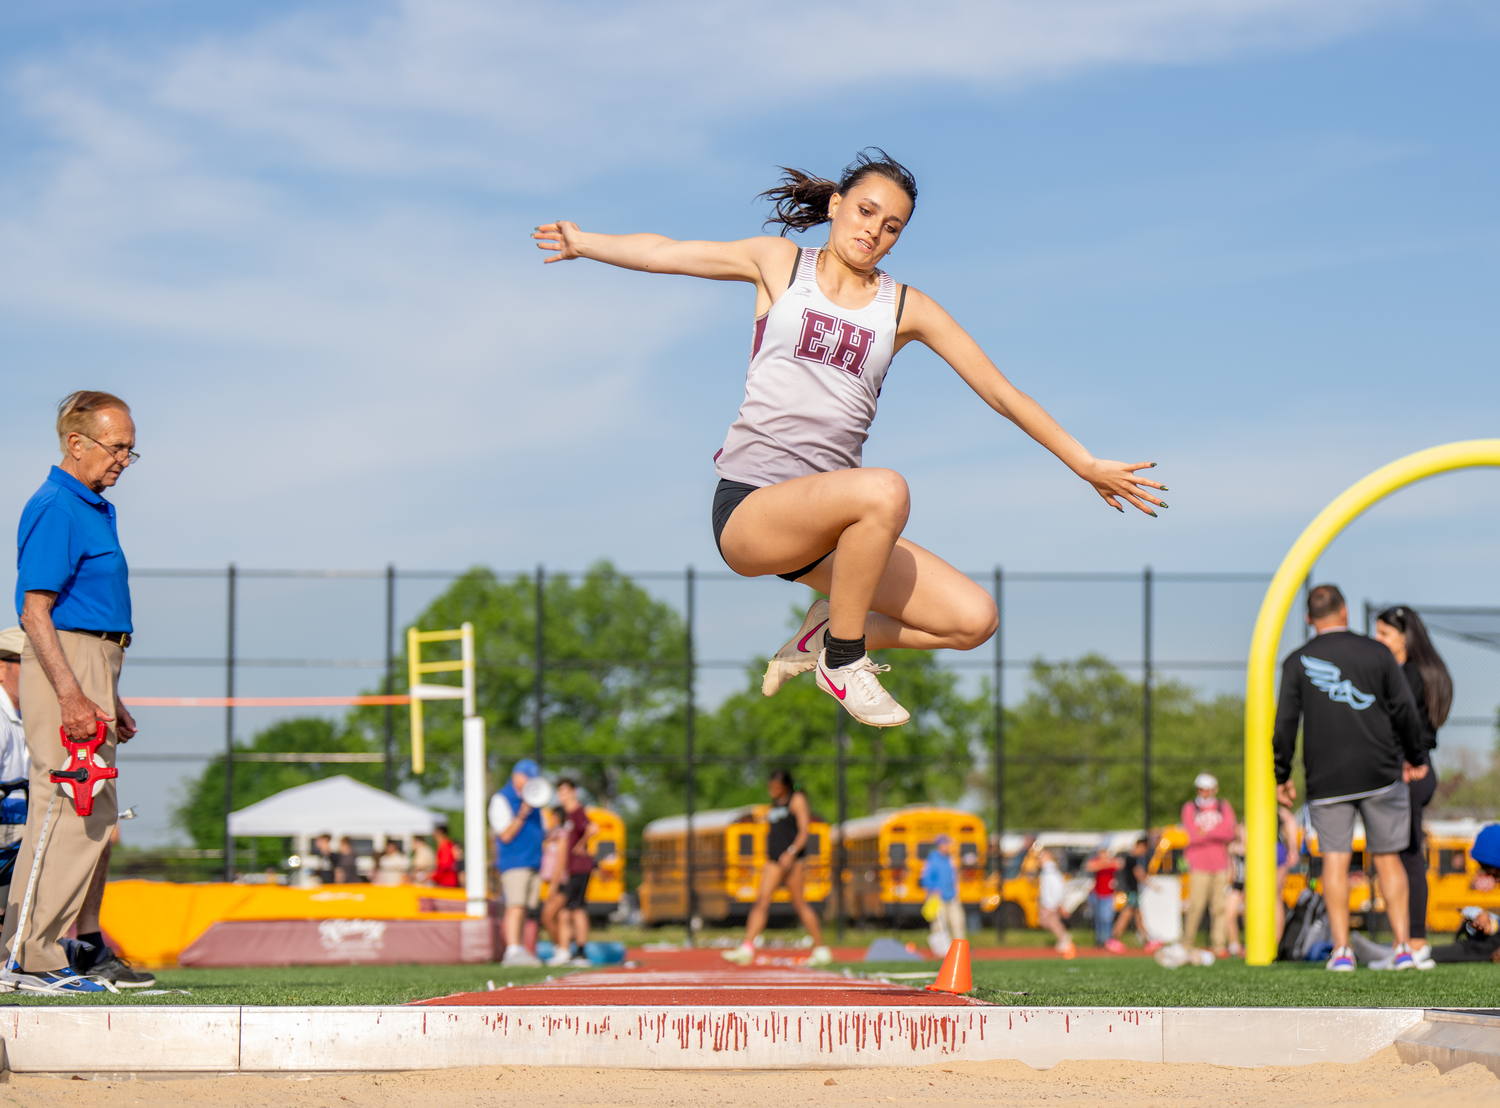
(887,494)
(977,622)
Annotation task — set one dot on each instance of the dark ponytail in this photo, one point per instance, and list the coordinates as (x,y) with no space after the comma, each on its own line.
(1438,692)
(801,200)
(784,777)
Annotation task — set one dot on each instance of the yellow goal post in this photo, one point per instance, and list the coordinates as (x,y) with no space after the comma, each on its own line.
(1260,681)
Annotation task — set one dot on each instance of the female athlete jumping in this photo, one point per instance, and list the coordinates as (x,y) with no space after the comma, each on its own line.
(792,499)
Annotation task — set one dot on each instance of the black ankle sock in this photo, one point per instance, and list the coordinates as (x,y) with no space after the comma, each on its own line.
(843,651)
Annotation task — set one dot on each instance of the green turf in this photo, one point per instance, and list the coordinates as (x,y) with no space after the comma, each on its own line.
(1086,982)
(1141,983)
(307,985)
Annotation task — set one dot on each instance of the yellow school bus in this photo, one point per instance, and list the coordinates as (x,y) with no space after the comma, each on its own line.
(1454,880)
(729,852)
(885,856)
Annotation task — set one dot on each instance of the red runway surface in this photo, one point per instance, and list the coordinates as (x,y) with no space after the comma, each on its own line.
(703,977)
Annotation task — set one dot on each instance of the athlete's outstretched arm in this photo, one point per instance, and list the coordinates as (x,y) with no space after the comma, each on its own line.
(717,261)
(926,322)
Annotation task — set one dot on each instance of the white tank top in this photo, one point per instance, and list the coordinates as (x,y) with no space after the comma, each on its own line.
(814,380)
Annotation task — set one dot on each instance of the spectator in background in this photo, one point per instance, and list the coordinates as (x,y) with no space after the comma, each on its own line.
(1210,825)
(1234,896)
(346,864)
(518,827)
(1288,850)
(423,861)
(940,878)
(393,867)
(1361,744)
(1130,872)
(1102,899)
(321,860)
(15,763)
(445,865)
(1051,888)
(566,914)
(1404,633)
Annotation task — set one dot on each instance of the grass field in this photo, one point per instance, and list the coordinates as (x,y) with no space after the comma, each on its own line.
(1097,982)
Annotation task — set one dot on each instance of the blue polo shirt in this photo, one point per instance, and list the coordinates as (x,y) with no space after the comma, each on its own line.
(67,543)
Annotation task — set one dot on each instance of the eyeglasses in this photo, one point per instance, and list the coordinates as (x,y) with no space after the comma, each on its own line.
(120,453)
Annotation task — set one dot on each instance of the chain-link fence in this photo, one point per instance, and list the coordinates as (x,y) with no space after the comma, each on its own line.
(1173,638)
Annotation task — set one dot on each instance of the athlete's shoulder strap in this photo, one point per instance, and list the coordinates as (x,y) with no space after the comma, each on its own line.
(807,266)
(901,305)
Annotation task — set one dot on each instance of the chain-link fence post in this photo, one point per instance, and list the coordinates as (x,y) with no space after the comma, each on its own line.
(229,578)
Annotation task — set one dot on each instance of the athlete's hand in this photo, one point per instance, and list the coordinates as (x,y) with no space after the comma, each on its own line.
(1286,794)
(1116,481)
(561,237)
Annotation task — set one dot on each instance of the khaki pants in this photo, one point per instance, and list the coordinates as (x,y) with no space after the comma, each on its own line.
(1206,891)
(74,844)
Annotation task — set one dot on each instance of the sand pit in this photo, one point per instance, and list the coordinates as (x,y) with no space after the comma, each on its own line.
(1381,1080)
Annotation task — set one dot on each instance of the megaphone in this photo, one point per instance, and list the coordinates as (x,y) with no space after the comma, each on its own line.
(538,792)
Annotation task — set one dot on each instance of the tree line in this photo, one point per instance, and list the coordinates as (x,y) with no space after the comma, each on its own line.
(614,717)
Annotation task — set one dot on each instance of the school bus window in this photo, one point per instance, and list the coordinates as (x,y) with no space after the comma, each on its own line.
(923,849)
(968,854)
(814,844)
(897,854)
(747,845)
(1452,861)
(604,850)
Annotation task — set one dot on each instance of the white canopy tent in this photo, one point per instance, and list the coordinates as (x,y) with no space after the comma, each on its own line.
(335,806)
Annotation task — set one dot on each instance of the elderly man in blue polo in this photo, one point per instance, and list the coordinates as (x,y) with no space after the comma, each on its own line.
(73,596)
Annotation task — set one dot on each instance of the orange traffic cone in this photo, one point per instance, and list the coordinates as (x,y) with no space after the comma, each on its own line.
(954,977)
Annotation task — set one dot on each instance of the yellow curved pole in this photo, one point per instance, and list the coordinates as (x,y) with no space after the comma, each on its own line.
(1260,682)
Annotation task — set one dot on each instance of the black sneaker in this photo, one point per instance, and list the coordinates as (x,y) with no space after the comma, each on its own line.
(117,972)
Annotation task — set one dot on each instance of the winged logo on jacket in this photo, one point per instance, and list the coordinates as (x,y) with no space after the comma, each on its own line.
(1326,676)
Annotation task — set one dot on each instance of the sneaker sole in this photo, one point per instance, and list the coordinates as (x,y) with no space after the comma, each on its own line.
(134,984)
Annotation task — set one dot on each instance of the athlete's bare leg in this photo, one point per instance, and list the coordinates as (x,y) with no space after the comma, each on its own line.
(771,878)
(804,912)
(918,600)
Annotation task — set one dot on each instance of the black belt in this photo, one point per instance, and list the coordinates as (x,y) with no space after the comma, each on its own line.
(120,637)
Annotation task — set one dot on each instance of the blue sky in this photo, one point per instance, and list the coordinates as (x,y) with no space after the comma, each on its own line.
(1253,240)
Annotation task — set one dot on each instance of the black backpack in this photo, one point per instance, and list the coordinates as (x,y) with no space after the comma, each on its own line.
(1306,928)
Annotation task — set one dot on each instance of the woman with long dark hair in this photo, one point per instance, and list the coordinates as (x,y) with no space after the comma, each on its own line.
(792,497)
(1403,631)
(789,818)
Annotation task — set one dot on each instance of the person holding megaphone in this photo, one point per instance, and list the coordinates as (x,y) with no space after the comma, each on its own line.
(516,821)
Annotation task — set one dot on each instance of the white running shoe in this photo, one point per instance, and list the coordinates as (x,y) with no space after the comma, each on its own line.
(519,956)
(741,955)
(857,688)
(800,653)
(821,956)
(562,956)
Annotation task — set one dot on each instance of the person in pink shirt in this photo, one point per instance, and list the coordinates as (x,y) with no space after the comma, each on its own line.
(1210,825)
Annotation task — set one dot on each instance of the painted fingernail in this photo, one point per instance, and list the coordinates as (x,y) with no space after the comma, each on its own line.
(1165,489)
(1163,504)
(1153,465)
(1119,508)
(1153,515)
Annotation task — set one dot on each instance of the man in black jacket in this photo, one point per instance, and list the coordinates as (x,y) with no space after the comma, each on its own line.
(1359,727)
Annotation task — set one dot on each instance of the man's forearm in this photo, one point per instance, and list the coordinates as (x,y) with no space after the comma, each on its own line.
(36,618)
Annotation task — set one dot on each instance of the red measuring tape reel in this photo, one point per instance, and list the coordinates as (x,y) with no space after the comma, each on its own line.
(85,773)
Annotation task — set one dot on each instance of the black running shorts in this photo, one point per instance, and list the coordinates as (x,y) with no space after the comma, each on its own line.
(576,889)
(727,498)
